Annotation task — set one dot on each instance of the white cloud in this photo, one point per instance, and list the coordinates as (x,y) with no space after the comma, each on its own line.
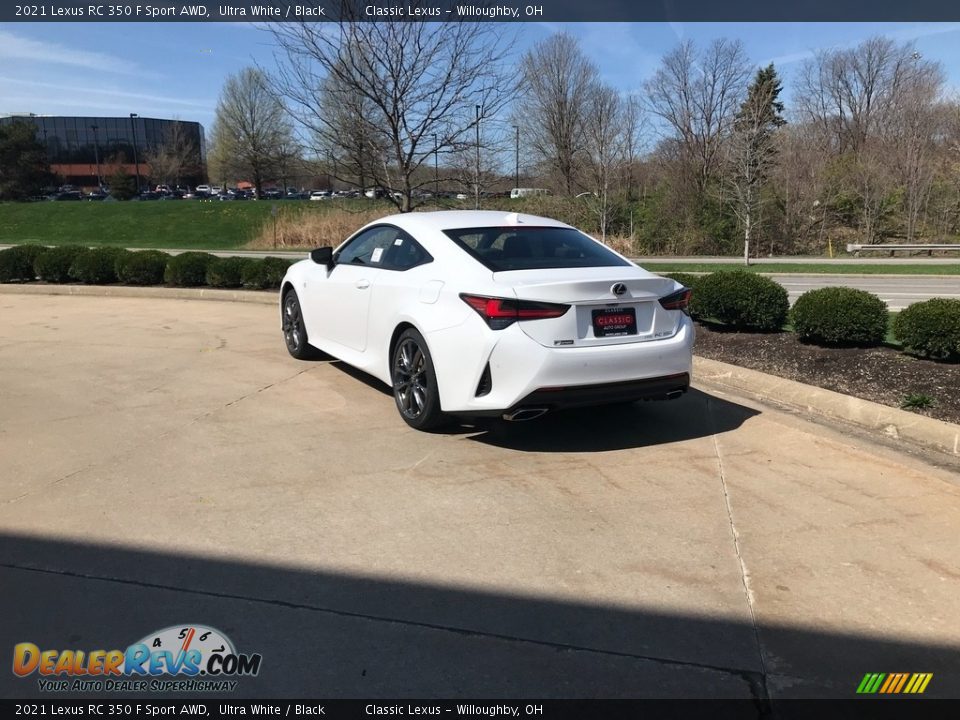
(906,34)
(82,95)
(23,49)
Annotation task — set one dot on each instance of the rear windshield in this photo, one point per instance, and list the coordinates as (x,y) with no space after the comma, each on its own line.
(533,248)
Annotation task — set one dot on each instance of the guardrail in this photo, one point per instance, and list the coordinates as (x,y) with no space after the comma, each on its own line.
(857,248)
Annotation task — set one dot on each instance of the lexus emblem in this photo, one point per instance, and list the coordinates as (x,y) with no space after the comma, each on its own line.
(618,289)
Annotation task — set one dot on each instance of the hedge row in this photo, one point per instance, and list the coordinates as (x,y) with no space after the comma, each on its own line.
(833,316)
(102,266)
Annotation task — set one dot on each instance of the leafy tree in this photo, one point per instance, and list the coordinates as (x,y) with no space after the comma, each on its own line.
(24,170)
(251,129)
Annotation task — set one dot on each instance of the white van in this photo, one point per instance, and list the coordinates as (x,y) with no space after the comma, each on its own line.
(527,192)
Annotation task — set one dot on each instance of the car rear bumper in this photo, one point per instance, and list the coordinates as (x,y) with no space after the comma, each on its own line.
(558,398)
(523,372)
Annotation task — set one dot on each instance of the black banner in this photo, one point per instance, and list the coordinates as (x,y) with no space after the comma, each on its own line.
(481,11)
(874,709)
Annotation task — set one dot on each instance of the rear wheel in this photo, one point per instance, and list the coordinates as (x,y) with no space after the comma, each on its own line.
(415,382)
(294,332)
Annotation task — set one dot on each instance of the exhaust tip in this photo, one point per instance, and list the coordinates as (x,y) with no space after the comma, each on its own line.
(524,414)
(674,394)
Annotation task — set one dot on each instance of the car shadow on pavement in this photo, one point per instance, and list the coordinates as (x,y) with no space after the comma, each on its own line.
(616,427)
(595,429)
(330,634)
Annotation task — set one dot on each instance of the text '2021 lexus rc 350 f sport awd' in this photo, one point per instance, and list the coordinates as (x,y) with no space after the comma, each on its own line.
(484,313)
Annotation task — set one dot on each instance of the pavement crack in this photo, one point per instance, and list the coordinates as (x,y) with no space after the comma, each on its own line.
(747,676)
(758,685)
(46,486)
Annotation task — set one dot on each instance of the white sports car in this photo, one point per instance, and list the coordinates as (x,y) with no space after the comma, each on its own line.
(484,313)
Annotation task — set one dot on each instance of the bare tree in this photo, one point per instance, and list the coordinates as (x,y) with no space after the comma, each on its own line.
(558,80)
(413,79)
(697,95)
(603,132)
(634,130)
(176,157)
(352,144)
(250,129)
(875,107)
(918,120)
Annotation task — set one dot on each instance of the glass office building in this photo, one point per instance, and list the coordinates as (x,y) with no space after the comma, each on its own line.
(76,145)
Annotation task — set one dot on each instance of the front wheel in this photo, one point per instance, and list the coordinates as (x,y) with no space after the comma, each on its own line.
(294,332)
(415,382)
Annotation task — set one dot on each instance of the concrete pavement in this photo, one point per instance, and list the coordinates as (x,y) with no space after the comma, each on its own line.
(166,462)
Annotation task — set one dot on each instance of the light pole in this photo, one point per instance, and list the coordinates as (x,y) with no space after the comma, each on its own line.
(516,171)
(477,185)
(96,157)
(436,167)
(136,161)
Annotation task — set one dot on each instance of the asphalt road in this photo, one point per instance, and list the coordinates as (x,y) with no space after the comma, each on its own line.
(165,462)
(897,291)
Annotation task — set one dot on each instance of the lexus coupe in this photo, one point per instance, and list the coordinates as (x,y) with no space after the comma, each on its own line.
(485,313)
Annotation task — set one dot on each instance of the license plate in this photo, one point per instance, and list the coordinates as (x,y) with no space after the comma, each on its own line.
(613,321)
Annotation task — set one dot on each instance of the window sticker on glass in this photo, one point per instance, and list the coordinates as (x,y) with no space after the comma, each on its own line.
(398,241)
(377,252)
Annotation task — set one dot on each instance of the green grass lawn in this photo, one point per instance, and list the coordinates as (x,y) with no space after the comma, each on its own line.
(814,267)
(153,224)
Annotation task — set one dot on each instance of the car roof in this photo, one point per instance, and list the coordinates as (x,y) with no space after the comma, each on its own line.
(453,219)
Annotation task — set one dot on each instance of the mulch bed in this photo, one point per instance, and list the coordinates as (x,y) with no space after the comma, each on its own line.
(883,374)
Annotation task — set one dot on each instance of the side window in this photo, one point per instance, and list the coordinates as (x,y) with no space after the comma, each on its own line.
(369,247)
(405,253)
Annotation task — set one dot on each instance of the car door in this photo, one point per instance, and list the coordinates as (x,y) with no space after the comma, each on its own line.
(343,298)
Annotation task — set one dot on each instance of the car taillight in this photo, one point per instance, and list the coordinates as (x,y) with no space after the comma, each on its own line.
(503,312)
(680,300)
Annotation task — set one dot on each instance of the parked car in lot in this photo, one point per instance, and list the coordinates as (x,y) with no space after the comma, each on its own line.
(67,195)
(320,195)
(202,189)
(484,313)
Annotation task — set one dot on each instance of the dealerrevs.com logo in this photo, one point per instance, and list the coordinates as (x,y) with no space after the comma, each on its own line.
(176,659)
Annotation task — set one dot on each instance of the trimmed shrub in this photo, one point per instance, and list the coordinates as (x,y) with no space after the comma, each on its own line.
(97,266)
(745,300)
(16,263)
(53,264)
(227,272)
(265,274)
(145,267)
(188,269)
(931,328)
(840,316)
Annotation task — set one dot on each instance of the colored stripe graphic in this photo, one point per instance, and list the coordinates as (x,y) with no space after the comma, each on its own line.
(894,683)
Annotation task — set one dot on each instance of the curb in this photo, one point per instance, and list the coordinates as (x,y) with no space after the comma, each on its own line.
(263,297)
(893,423)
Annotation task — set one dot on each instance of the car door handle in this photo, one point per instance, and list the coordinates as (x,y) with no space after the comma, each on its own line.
(362,284)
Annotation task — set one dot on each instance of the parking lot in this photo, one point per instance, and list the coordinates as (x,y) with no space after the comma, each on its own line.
(166,462)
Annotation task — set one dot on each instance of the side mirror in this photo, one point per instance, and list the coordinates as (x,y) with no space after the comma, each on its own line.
(322,256)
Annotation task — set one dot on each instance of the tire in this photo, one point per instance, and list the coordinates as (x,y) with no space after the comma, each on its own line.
(415,382)
(294,332)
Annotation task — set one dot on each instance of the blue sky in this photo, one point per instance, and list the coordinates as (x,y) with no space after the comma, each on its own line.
(177,69)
